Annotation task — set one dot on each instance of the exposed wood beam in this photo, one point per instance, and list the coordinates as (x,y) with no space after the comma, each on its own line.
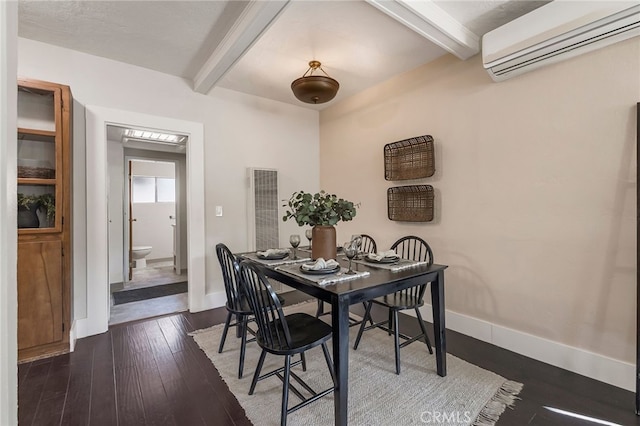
(252,22)
(433,23)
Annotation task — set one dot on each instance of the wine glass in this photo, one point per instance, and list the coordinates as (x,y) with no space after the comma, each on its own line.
(294,240)
(357,240)
(309,234)
(350,249)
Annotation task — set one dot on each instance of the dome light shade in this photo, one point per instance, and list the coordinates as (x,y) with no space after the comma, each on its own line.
(315,89)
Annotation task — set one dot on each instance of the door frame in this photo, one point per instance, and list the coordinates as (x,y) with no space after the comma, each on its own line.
(97,119)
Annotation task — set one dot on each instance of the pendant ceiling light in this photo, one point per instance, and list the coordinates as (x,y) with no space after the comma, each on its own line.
(315,89)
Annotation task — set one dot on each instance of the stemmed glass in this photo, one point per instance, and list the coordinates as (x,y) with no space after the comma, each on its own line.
(294,240)
(357,241)
(309,234)
(350,250)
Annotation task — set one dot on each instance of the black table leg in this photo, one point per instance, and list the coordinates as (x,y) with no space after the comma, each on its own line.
(340,323)
(437,304)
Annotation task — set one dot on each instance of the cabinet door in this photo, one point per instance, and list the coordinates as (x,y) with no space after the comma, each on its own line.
(39,293)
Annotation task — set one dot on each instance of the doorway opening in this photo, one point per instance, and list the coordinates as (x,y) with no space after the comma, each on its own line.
(148,274)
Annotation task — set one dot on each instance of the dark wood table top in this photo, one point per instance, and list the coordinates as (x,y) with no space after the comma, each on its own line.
(356,287)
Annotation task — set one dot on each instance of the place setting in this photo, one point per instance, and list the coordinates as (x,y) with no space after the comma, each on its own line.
(388,260)
(280,256)
(327,271)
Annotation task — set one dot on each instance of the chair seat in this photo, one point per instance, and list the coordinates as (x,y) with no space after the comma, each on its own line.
(306,332)
(399,301)
(245,309)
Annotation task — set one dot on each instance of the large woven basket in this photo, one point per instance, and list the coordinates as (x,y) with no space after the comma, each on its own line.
(411,158)
(413,203)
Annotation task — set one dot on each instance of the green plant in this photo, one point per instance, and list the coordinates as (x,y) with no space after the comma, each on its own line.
(47,202)
(318,209)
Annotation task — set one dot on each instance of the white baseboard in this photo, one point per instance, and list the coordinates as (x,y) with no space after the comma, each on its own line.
(72,336)
(209,301)
(599,367)
(85,327)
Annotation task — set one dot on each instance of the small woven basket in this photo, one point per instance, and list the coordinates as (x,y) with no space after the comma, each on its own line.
(412,203)
(409,159)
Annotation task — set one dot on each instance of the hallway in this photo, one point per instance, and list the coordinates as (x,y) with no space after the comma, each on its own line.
(155,274)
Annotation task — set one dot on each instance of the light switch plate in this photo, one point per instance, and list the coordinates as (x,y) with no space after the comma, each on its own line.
(218,210)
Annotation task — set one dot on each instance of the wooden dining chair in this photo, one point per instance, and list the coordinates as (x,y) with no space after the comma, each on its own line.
(413,248)
(368,245)
(285,335)
(237,305)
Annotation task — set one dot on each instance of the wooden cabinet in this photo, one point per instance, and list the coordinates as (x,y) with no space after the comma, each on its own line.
(44,218)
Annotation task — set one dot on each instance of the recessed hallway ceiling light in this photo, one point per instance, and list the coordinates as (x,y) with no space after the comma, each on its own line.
(146,135)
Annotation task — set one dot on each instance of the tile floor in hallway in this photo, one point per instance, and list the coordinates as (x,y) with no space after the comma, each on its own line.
(156,273)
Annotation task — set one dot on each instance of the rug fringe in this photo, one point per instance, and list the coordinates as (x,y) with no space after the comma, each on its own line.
(505,397)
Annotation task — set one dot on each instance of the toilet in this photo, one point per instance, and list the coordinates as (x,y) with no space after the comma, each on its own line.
(139,253)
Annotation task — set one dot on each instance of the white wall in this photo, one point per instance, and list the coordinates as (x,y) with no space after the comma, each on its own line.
(240,131)
(535,193)
(180,171)
(8,203)
(155,216)
(153,228)
(153,220)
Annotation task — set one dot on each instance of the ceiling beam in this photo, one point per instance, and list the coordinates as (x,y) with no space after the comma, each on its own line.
(247,29)
(433,23)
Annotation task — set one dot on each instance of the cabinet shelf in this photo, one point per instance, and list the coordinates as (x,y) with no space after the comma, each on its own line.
(33,181)
(28,231)
(45,135)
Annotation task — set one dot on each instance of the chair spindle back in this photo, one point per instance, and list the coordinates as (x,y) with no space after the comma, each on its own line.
(231,276)
(273,330)
(413,248)
(368,244)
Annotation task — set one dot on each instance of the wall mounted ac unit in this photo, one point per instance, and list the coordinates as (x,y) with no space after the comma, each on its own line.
(555,32)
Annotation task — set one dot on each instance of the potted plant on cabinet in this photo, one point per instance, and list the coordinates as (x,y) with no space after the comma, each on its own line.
(321,211)
(30,205)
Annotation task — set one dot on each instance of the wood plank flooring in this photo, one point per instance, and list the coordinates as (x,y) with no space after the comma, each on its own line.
(151,373)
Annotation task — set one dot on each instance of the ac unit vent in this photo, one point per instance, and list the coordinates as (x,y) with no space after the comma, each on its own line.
(555,32)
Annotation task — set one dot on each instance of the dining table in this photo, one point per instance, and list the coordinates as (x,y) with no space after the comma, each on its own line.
(371,282)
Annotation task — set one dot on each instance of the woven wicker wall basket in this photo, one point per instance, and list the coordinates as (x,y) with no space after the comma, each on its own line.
(411,158)
(413,203)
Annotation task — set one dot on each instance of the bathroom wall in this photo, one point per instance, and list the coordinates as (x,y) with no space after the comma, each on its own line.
(116,160)
(152,226)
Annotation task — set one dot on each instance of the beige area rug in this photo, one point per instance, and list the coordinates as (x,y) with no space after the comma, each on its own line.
(468,395)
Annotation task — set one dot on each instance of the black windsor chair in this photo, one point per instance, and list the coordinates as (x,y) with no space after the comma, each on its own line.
(283,335)
(237,304)
(413,248)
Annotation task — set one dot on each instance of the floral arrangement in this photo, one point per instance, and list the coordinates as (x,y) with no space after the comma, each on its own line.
(321,209)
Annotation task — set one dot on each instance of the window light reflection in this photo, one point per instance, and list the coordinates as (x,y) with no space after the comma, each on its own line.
(582,417)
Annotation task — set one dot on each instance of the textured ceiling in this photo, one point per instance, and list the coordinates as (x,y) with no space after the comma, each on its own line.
(358,44)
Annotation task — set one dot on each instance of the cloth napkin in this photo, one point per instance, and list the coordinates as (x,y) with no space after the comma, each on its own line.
(320,264)
(389,254)
(272,252)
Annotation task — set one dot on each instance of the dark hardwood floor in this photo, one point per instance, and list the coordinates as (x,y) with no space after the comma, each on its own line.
(151,373)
